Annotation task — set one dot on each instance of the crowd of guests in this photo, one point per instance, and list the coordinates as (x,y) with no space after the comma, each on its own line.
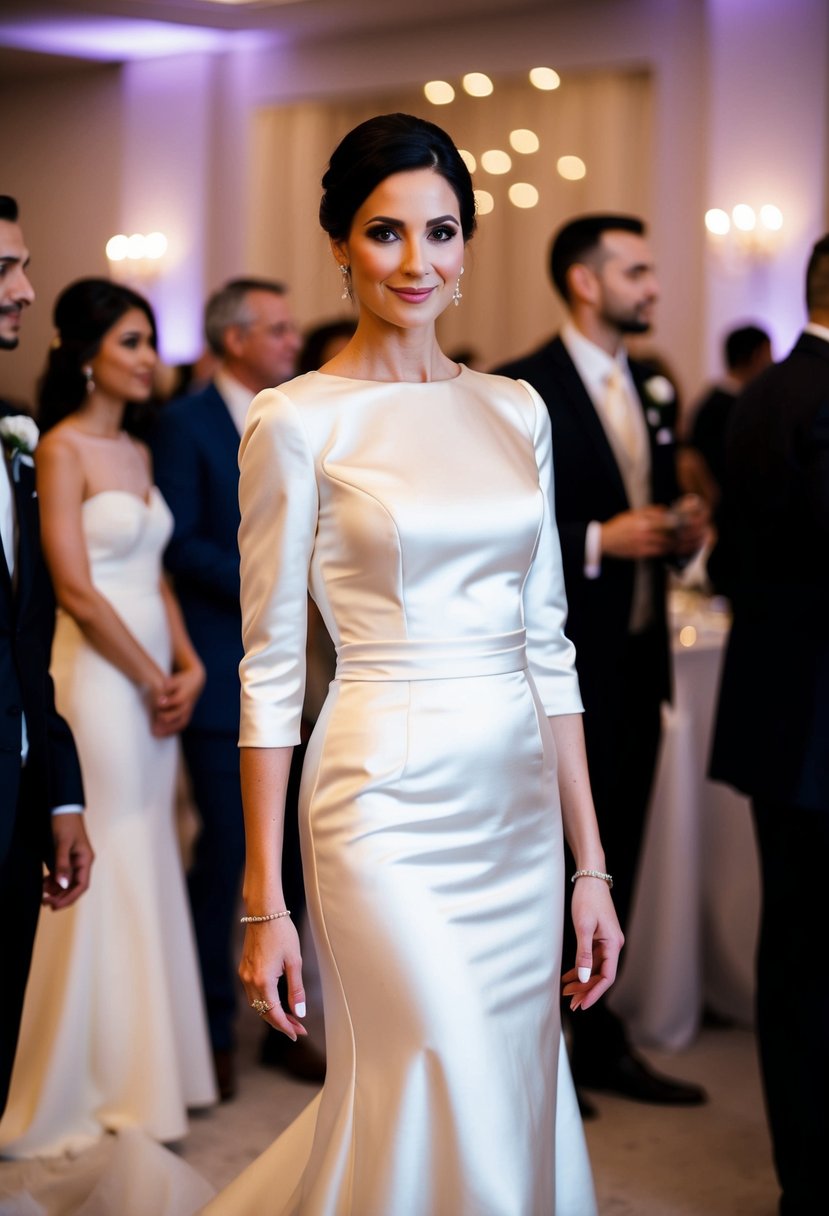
(138,525)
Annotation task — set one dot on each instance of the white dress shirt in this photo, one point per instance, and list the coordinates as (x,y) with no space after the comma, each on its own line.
(236,397)
(631,449)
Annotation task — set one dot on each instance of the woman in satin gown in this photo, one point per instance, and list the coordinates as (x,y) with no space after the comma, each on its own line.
(108,1039)
(413,497)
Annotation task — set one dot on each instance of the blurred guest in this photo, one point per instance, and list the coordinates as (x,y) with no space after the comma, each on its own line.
(323,342)
(41,803)
(772,731)
(250,329)
(747,352)
(615,481)
(107,1039)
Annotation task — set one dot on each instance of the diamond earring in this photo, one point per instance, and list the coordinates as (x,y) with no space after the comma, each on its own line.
(345,271)
(87,375)
(457,294)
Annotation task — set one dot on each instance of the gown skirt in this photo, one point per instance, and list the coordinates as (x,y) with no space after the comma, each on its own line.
(433,859)
(107,1039)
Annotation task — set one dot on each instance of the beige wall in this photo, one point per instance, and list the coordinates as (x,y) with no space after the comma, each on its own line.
(62,161)
(168,145)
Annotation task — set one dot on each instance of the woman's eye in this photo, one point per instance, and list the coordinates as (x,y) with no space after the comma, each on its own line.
(384,235)
(443,233)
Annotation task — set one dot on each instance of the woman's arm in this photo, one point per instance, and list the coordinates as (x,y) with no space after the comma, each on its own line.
(271,947)
(187,681)
(60,485)
(598,936)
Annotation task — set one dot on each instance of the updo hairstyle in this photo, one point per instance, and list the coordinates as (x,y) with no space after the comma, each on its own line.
(379,147)
(84,313)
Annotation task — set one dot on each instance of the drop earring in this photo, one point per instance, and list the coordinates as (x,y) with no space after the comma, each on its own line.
(345,271)
(87,375)
(457,294)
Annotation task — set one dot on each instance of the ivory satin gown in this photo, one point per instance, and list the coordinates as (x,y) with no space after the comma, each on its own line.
(114,1033)
(421,517)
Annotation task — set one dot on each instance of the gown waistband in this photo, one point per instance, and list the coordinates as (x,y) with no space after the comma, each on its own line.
(442,659)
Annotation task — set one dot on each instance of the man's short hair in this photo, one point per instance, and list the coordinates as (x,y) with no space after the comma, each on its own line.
(741,345)
(579,238)
(229,306)
(817,276)
(8,208)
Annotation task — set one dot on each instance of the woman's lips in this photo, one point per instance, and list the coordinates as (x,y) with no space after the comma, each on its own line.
(413,295)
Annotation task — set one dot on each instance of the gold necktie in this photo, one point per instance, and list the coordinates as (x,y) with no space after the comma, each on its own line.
(620,415)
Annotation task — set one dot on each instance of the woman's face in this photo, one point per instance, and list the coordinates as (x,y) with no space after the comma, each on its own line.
(405,248)
(123,366)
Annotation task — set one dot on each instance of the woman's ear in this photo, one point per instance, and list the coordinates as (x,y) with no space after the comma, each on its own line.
(340,252)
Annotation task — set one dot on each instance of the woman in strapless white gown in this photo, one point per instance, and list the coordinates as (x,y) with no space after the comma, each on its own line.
(414,498)
(113,1032)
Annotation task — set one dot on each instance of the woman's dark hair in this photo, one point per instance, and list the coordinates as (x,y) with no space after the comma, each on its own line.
(379,147)
(84,313)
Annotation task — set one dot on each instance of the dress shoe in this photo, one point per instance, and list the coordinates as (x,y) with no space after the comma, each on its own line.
(301,1060)
(630,1077)
(586,1108)
(224,1063)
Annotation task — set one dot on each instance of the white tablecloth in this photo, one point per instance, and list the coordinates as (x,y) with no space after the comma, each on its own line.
(692,935)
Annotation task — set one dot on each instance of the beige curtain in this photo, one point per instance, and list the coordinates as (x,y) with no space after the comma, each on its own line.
(508,306)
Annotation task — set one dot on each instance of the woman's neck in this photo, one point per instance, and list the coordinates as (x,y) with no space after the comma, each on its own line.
(101,415)
(381,352)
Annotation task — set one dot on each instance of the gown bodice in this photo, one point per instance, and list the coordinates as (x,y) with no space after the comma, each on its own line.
(125,538)
(415,512)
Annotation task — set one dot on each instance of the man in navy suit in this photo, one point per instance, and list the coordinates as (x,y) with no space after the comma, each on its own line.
(41,796)
(195,443)
(619,520)
(772,733)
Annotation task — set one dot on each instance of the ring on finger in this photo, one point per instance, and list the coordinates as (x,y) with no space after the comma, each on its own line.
(261,1007)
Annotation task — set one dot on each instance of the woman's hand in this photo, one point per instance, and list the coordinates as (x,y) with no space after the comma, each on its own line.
(271,950)
(173,704)
(598,943)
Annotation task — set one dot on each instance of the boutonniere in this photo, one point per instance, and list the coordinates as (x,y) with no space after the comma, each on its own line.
(20,436)
(660,393)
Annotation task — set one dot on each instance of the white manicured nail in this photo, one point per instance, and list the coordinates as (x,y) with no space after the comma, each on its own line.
(299,1009)
(584,975)
(63,882)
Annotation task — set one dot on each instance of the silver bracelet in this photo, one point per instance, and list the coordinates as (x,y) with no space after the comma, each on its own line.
(257,920)
(593,874)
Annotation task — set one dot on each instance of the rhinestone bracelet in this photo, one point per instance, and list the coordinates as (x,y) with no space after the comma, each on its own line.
(593,874)
(257,920)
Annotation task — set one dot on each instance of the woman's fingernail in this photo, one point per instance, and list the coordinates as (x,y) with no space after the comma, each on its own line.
(299,1009)
(63,882)
(584,975)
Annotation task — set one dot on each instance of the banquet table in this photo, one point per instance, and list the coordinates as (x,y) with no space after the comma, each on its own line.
(692,934)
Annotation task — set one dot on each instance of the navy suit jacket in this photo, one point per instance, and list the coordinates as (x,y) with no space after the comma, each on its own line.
(589,486)
(195,450)
(772,559)
(27,618)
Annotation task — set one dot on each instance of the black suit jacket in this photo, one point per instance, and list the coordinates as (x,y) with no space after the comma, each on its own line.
(27,617)
(589,486)
(195,449)
(772,560)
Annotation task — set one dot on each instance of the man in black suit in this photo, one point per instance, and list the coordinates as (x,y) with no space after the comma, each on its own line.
(772,732)
(250,329)
(619,519)
(747,352)
(41,796)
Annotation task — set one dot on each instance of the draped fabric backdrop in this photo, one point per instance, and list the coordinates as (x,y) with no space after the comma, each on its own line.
(508,304)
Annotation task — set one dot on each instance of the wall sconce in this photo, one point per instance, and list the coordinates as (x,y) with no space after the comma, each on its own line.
(746,232)
(136,257)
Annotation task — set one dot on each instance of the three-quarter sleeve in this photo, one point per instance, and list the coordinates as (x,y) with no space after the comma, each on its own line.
(279,505)
(550,653)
